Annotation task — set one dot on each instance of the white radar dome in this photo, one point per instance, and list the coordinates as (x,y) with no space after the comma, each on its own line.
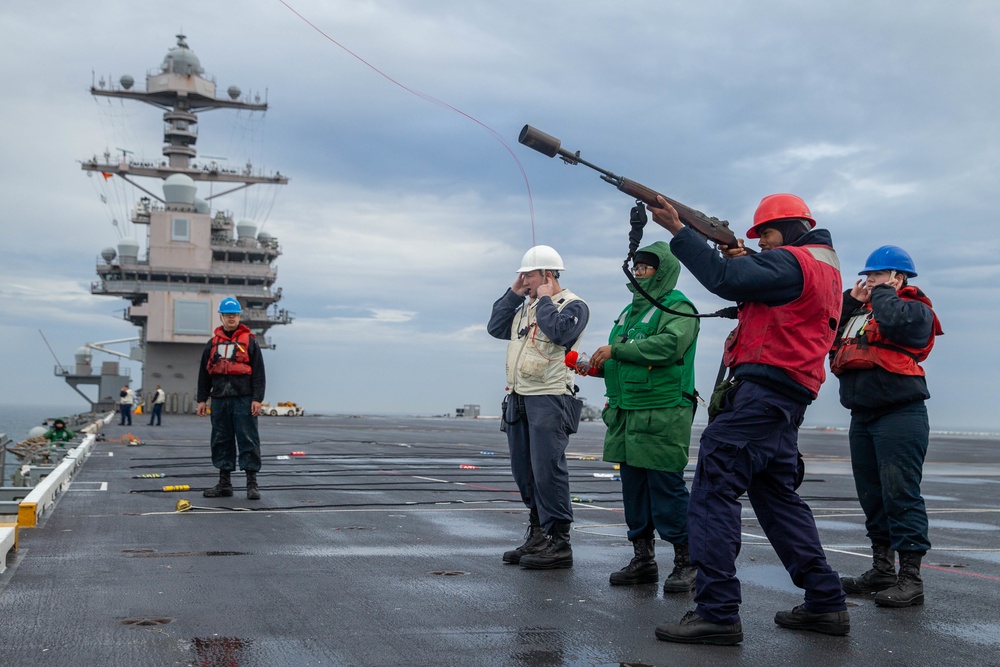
(128,250)
(246,229)
(83,355)
(181,60)
(127,82)
(109,254)
(179,189)
(234,92)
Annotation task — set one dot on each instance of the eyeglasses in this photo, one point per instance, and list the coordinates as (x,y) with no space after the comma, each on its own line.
(642,268)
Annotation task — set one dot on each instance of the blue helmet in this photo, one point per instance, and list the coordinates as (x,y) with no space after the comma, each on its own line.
(890,258)
(230,305)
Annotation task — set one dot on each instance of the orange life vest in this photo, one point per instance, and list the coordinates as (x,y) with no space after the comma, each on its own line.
(230,352)
(862,345)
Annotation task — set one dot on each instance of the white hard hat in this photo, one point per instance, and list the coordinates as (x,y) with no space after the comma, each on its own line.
(541,257)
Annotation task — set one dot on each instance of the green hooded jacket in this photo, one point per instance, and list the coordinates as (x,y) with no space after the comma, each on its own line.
(650,375)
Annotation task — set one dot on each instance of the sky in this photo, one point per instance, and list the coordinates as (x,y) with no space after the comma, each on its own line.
(410,202)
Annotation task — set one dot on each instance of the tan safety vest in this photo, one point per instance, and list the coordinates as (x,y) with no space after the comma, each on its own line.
(535,365)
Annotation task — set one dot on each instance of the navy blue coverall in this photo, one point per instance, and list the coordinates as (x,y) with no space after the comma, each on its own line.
(889,426)
(538,427)
(234,428)
(752,448)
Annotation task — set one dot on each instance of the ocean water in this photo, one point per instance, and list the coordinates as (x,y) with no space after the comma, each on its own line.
(17,420)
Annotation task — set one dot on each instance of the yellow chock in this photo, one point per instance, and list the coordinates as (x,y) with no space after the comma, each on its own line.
(183,505)
(177,487)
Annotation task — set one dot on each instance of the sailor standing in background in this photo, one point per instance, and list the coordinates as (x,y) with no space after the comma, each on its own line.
(159,398)
(541,410)
(232,374)
(59,434)
(125,402)
(887,328)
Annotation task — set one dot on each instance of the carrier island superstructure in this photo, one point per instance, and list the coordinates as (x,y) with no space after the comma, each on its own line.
(193,256)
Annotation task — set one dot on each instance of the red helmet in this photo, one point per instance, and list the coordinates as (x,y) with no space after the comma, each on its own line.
(776,207)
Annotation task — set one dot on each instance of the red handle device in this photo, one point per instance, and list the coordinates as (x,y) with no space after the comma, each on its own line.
(573,359)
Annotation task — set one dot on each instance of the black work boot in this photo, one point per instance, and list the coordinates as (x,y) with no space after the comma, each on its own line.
(253,493)
(837,623)
(642,569)
(223,489)
(693,629)
(880,577)
(556,554)
(909,588)
(682,578)
(535,540)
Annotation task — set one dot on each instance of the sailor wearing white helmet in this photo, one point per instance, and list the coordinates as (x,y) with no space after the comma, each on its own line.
(542,321)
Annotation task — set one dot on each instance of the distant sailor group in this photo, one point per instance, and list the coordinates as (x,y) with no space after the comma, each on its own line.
(792,315)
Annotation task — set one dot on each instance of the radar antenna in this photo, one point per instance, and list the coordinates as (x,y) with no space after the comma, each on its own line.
(61,367)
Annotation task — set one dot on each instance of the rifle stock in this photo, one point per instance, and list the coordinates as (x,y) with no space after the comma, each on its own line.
(711,228)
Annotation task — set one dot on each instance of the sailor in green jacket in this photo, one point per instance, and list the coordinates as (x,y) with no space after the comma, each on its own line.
(59,433)
(648,369)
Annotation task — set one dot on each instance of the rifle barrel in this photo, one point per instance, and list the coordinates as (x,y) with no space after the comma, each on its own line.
(714,229)
(548,145)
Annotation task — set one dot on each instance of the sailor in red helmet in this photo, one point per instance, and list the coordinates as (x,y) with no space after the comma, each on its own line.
(232,374)
(789,299)
(887,328)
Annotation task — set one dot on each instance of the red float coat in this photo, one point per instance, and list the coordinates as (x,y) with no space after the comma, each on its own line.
(796,336)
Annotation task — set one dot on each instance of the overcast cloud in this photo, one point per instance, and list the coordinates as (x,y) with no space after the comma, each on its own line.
(404,221)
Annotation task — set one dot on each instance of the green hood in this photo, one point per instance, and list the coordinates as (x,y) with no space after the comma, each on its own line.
(660,283)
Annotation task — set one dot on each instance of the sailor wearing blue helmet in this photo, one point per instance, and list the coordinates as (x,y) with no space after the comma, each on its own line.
(232,374)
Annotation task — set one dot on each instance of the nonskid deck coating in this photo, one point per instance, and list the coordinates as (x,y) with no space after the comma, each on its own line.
(378,548)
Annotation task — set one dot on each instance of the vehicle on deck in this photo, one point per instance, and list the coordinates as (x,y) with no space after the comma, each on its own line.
(283,409)
(590,412)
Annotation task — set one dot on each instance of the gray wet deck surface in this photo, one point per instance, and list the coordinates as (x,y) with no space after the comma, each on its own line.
(378,548)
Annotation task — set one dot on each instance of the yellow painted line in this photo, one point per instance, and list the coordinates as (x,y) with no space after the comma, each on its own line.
(27,515)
